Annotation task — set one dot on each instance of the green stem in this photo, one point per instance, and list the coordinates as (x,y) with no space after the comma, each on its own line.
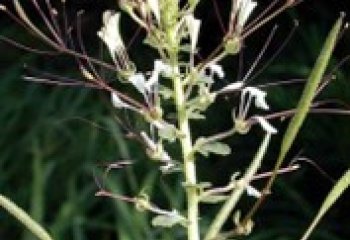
(230,203)
(24,218)
(171,14)
(189,163)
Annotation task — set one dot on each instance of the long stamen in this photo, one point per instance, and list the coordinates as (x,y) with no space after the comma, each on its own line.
(26,48)
(16,19)
(65,21)
(218,16)
(247,105)
(20,11)
(262,14)
(249,31)
(262,52)
(82,46)
(53,15)
(241,105)
(47,22)
(233,16)
(276,53)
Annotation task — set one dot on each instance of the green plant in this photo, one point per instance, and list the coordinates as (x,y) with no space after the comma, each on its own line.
(180,80)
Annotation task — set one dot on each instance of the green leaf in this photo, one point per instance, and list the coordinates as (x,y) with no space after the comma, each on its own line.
(214,147)
(337,190)
(168,220)
(168,132)
(308,94)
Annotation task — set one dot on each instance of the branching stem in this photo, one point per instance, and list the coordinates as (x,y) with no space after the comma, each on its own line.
(237,192)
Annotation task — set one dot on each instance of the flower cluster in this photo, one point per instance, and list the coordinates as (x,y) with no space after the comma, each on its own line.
(179,79)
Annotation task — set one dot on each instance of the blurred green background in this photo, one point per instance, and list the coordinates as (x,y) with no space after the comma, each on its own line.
(55,139)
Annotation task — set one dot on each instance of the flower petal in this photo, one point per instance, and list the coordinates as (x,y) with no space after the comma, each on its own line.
(149,142)
(246,8)
(251,191)
(154,6)
(232,87)
(193,26)
(259,95)
(139,82)
(159,67)
(110,34)
(265,125)
(163,68)
(217,70)
(118,103)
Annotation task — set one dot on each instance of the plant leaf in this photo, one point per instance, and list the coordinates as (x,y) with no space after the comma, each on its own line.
(168,220)
(214,147)
(167,132)
(308,94)
(195,115)
(337,190)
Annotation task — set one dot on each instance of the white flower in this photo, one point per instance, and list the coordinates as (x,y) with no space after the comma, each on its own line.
(118,103)
(149,142)
(143,85)
(193,26)
(248,95)
(232,87)
(216,69)
(251,191)
(139,82)
(245,9)
(110,34)
(257,94)
(268,128)
(154,6)
(169,167)
(159,68)
(155,148)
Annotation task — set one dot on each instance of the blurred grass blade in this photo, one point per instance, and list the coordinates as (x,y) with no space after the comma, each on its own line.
(342,184)
(308,94)
(24,218)
(37,204)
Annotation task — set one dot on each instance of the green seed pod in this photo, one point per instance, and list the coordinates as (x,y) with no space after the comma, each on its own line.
(241,126)
(233,45)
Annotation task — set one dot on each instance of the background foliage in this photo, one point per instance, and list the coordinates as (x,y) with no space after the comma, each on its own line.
(54,139)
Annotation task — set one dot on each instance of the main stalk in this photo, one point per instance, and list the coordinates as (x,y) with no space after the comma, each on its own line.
(188,160)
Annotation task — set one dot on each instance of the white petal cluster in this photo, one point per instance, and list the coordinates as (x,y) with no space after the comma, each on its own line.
(193,26)
(154,6)
(265,125)
(232,87)
(258,95)
(253,94)
(143,85)
(110,34)
(164,157)
(216,69)
(251,191)
(245,9)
